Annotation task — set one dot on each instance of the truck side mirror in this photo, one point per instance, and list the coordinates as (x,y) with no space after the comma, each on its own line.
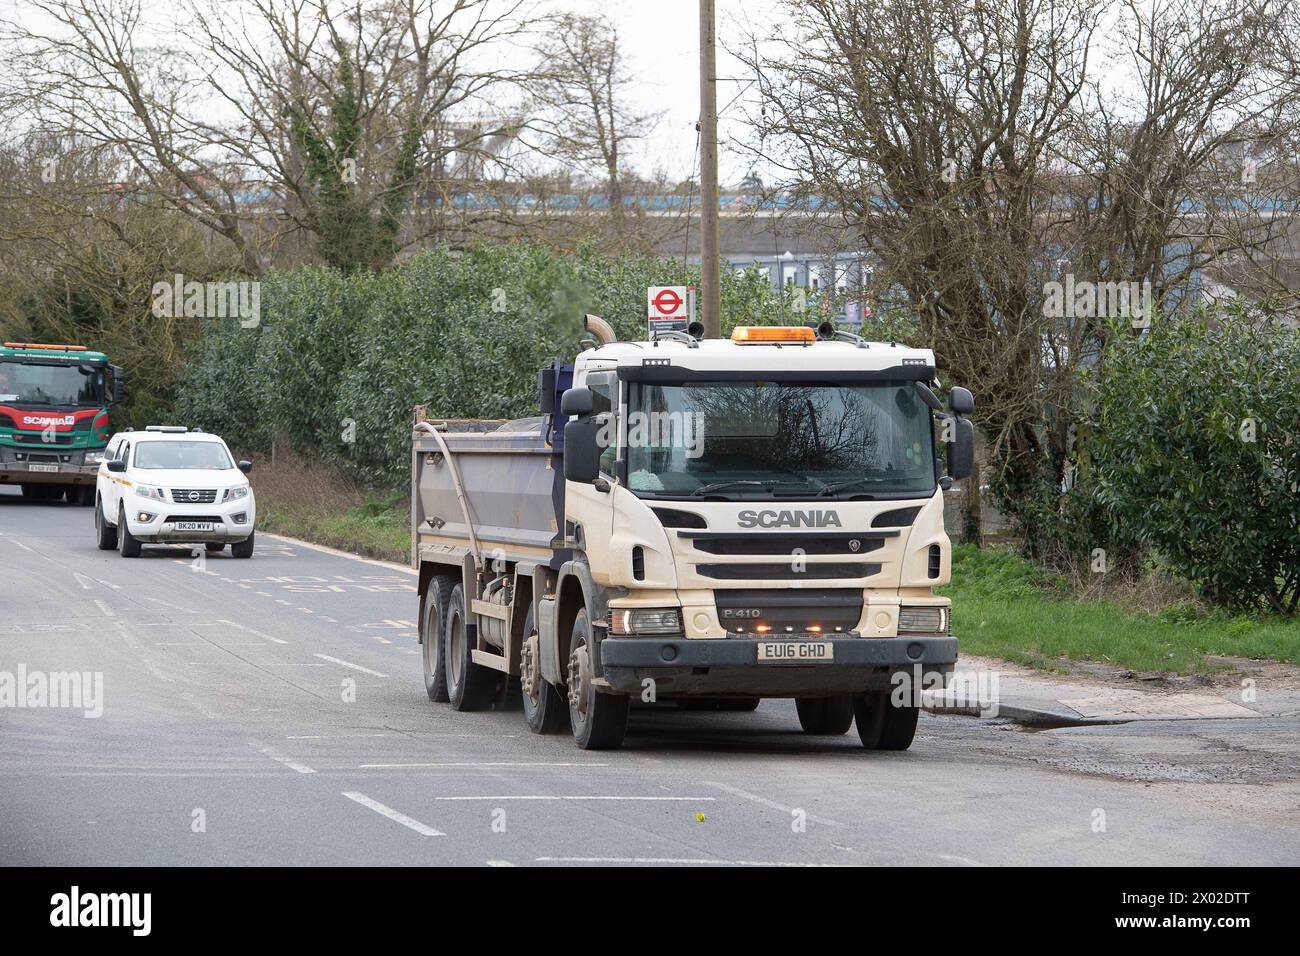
(581,448)
(577,401)
(962,401)
(961,452)
(119,384)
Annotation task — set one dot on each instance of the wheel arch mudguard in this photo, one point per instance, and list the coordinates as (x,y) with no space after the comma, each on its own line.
(574,590)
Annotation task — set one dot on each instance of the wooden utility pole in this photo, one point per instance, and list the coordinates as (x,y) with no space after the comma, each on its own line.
(710,251)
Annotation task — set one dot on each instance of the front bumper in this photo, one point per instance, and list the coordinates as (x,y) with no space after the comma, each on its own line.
(161,528)
(731,665)
(20,473)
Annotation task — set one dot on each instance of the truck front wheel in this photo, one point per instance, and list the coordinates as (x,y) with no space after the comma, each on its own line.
(470,686)
(435,614)
(599,720)
(881,724)
(825,715)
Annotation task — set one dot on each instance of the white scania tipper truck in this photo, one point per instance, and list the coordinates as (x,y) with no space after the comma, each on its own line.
(711,521)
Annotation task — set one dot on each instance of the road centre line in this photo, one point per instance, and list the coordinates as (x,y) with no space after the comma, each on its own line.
(500,763)
(679,861)
(355,667)
(396,816)
(287,761)
(764,802)
(550,797)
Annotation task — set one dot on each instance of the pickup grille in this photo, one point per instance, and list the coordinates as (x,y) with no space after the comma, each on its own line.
(215,519)
(194,496)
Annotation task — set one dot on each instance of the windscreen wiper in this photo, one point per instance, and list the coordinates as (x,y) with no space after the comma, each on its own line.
(732,482)
(840,485)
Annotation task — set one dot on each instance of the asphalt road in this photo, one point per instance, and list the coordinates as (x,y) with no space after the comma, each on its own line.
(271,711)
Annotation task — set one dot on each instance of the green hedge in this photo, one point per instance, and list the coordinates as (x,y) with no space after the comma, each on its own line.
(463,333)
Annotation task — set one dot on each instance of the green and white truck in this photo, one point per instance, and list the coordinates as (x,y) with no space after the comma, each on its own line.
(712,522)
(54,402)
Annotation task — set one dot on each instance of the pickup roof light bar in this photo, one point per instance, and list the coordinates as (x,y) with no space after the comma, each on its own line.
(760,334)
(55,348)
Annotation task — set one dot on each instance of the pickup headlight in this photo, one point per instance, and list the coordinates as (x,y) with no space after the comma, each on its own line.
(922,620)
(234,494)
(149,491)
(641,620)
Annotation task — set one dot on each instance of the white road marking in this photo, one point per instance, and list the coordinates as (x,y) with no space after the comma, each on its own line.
(550,797)
(328,620)
(499,863)
(678,861)
(355,667)
(108,611)
(287,761)
(343,554)
(764,802)
(83,581)
(274,640)
(20,544)
(503,763)
(330,736)
(397,817)
(964,860)
(306,610)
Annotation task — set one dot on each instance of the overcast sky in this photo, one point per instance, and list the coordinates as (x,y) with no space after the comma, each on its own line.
(661,42)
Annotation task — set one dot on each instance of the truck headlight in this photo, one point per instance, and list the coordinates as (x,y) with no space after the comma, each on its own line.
(149,491)
(923,620)
(234,494)
(642,620)
(93,457)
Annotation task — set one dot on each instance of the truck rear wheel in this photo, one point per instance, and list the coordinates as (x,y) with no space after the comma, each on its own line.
(435,613)
(470,686)
(825,715)
(882,725)
(599,720)
(545,709)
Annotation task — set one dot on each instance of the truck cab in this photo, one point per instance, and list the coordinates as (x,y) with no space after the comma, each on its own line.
(760,516)
(54,402)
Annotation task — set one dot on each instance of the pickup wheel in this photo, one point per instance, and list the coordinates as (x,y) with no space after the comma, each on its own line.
(127,544)
(470,686)
(882,725)
(243,549)
(825,715)
(214,547)
(105,534)
(545,709)
(435,613)
(599,720)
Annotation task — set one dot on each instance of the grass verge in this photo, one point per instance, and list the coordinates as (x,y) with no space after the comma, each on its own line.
(1004,606)
(311,502)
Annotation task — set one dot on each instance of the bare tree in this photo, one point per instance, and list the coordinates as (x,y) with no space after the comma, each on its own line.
(585,119)
(984,148)
(356,122)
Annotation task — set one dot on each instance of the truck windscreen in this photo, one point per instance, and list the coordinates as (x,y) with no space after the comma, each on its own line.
(38,383)
(779,439)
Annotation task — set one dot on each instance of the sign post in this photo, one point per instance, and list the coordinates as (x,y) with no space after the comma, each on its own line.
(669,307)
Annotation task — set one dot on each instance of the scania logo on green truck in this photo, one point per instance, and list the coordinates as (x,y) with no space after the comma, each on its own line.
(789,519)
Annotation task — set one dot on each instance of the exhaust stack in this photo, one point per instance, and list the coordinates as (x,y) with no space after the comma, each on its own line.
(602,330)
